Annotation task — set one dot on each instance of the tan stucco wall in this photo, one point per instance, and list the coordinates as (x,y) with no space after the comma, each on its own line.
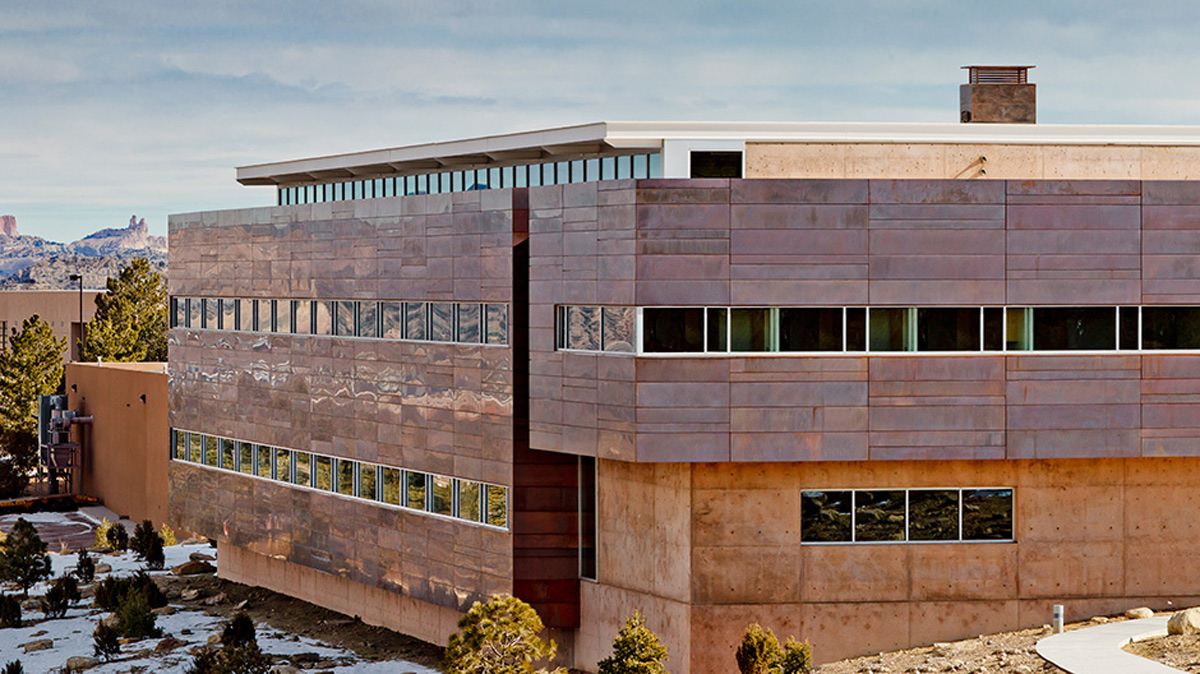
(60,308)
(955,160)
(125,447)
(1099,536)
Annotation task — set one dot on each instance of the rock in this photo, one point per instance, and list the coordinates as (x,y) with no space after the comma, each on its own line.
(39,633)
(173,594)
(219,598)
(301,659)
(78,663)
(1099,620)
(8,226)
(1140,612)
(110,620)
(87,591)
(201,557)
(103,567)
(284,669)
(168,644)
(193,568)
(1186,621)
(195,540)
(241,605)
(214,639)
(125,641)
(30,604)
(190,595)
(38,645)
(163,610)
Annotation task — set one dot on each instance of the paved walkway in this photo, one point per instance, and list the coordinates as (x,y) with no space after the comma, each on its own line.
(1097,650)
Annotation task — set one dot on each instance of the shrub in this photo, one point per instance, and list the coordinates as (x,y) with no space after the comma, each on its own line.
(155,558)
(102,535)
(85,567)
(105,642)
(14,667)
(59,597)
(10,611)
(636,650)
(239,631)
(167,535)
(118,538)
(759,652)
(134,619)
(246,659)
(797,657)
(501,636)
(23,558)
(111,591)
(142,535)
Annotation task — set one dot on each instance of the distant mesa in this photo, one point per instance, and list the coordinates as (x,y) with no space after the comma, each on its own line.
(8,226)
(29,262)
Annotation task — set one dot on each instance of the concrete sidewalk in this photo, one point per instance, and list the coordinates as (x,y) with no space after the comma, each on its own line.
(1097,650)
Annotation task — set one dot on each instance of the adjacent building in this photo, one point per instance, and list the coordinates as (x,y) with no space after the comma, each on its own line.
(872,385)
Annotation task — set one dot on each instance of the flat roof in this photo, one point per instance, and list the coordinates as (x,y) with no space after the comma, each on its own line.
(630,137)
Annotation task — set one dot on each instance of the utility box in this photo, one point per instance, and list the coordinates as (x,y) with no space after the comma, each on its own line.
(998,95)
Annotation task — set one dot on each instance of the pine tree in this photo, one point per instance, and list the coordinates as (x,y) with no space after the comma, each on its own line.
(23,558)
(130,324)
(31,365)
(499,637)
(636,650)
(759,652)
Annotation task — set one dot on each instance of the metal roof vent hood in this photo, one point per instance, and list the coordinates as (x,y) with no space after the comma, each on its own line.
(998,95)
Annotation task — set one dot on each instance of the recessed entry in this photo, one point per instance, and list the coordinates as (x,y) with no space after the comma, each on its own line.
(714,164)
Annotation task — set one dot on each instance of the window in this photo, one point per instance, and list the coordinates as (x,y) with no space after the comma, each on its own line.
(343,318)
(497,506)
(673,330)
(323,476)
(906,515)
(366,481)
(497,324)
(1169,327)
(196,448)
(414,491)
(618,329)
(441,321)
(442,502)
(587,517)
(368,314)
(415,320)
(283,465)
(302,313)
(283,316)
(391,486)
(392,322)
(469,323)
(948,329)
(893,329)
(582,328)
(210,451)
(263,466)
(1071,328)
(227,454)
(345,473)
(709,164)
(228,314)
(323,317)
(810,329)
(303,475)
(468,500)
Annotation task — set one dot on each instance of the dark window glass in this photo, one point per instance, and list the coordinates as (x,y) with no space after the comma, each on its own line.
(587,517)
(583,328)
(718,333)
(469,318)
(468,500)
(879,515)
(987,514)
(228,314)
(716,164)
(443,495)
(1070,328)
(497,324)
(343,318)
(303,474)
(810,329)
(283,465)
(302,314)
(391,485)
(227,454)
(283,316)
(211,449)
(441,321)
(888,331)
(856,329)
(933,515)
(497,506)
(323,474)
(264,460)
(368,325)
(345,482)
(825,516)
(246,458)
(1171,327)
(993,329)
(947,329)
(415,321)
(391,319)
(752,330)
(366,481)
(618,329)
(414,490)
(1129,329)
(324,317)
(673,330)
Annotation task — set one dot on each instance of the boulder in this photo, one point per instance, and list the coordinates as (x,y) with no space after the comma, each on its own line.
(168,644)
(103,568)
(1138,613)
(1186,621)
(78,663)
(31,604)
(190,595)
(218,598)
(163,610)
(284,669)
(193,568)
(201,557)
(38,645)
(1099,620)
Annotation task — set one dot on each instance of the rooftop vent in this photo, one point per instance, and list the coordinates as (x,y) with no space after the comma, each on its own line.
(998,95)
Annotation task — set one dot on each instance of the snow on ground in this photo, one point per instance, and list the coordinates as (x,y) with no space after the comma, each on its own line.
(72,634)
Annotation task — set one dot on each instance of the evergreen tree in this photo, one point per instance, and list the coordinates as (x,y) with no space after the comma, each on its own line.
(31,365)
(759,652)
(636,650)
(499,637)
(23,558)
(130,324)
(797,657)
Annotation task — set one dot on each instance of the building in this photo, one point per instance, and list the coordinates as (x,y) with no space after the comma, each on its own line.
(872,385)
(60,308)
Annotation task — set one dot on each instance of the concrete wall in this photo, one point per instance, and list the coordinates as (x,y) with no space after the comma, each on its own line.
(962,160)
(125,447)
(706,549)
(59,308)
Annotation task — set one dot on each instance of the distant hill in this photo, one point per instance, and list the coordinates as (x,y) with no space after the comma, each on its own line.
(31,262)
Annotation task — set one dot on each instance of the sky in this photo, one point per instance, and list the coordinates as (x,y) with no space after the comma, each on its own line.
(110,109)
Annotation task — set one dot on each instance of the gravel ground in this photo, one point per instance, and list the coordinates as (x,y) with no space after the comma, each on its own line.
(1181,651)
(994,653)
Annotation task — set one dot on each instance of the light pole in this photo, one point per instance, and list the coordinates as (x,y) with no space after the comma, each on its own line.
(79,344)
